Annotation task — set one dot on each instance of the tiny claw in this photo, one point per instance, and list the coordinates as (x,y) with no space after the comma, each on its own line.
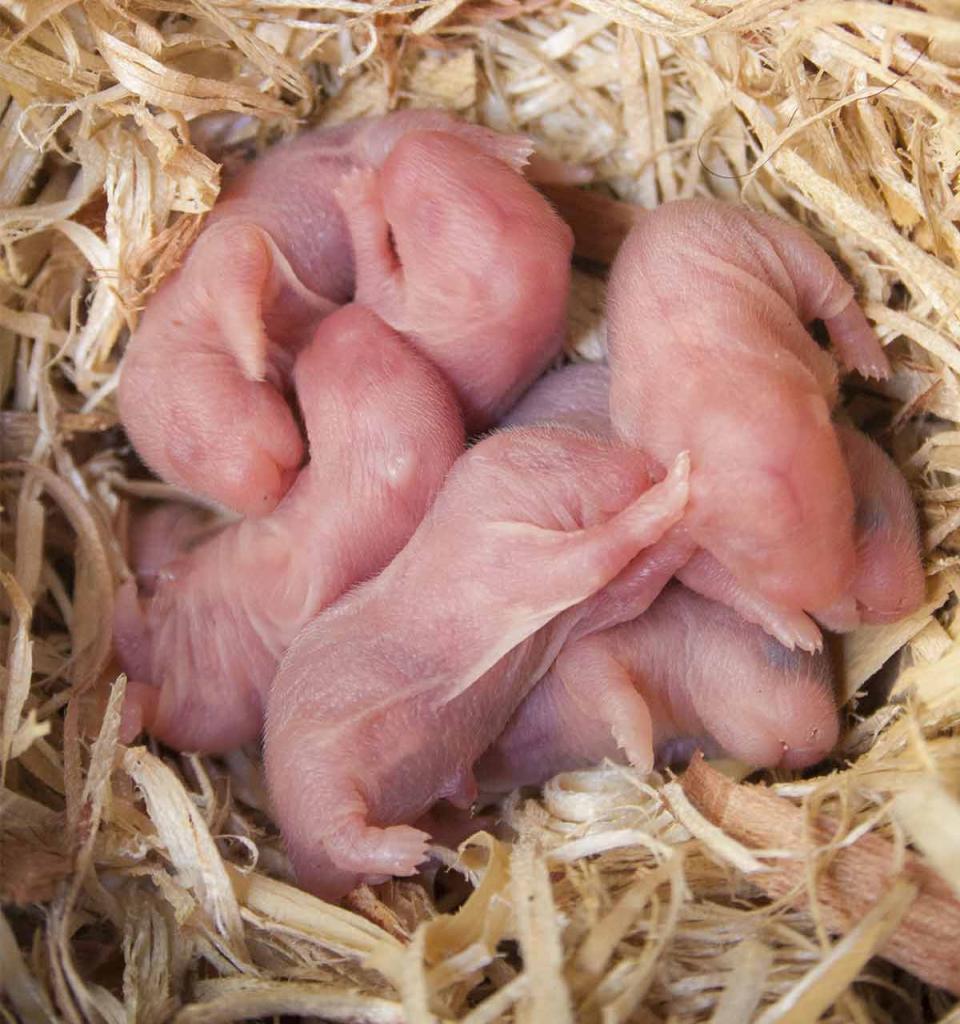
(405,848)
(797,632)
(636,744)
(544,170)
(876,371)
(856,344)
(515,150)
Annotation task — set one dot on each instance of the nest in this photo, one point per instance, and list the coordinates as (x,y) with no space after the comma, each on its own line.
(142,886)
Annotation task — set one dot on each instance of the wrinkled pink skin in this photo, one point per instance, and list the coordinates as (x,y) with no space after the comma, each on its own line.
(688,673)
(709,353)
(205,383)
(887,582)
(383,703)
(384,429)
(458,253)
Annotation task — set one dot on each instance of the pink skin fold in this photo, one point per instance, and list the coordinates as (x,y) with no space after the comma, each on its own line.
(382,704)
(887,582)
(205,384)
(202,642)
(162,535)
(688,673)
(709,353)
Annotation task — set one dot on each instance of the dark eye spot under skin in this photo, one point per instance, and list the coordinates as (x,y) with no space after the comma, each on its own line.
(871,515)
(780,657)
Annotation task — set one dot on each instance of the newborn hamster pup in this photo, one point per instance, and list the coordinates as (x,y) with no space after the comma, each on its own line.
(204,384)
(458,253)
(382,704)
(712,299)
(384,430)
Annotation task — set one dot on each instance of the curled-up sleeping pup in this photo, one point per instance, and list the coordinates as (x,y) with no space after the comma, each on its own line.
(202,640)
(417,204)
(709,352)
(383,703)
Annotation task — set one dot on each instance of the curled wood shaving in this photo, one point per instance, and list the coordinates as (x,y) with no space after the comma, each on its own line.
(188,843)
(824,984)
(297,999)
(850,879)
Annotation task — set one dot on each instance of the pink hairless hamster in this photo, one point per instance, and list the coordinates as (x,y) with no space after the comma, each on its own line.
(384,429)
(688,673)
(458,253)
(887,580)
(382,704)
(203,386)
(708,352)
